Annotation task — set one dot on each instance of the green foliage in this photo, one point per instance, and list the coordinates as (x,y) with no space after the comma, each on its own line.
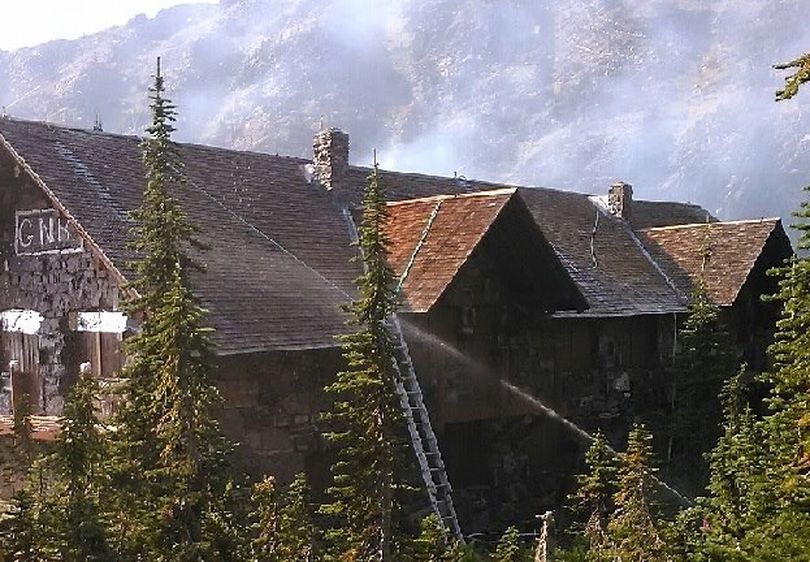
(17,452)
(296,530)
(435,544)
(77,467)
(171,475)
(632,526)
(705,359)
(365,420)
(594,495)
(577,552)
(737,469)
(793,82)
(24,534)
(508,547)
(264,520)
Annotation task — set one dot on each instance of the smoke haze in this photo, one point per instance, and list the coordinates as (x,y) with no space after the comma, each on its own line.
(673,96)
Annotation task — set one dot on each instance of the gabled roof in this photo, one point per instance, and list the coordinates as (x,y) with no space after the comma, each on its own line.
(602,255)
(273,236)
(431,238)
(723,254)
(279,267)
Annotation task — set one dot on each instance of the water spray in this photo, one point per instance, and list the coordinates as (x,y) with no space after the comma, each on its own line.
(535,402)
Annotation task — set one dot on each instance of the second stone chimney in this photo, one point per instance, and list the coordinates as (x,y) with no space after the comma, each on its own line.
(330,158)
(620,199)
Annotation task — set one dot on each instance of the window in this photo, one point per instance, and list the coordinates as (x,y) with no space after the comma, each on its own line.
(19,358)
(97,339)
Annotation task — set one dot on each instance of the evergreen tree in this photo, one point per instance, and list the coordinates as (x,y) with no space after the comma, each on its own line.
(632,526)
(715,528)
(705,359)
(23,537)
(434,543)
(364,418)
(23,534)
(594,496)
(23,431)
(508,547)
(171,465)
(296,530)
(264,521)
(77,467)
(800,75)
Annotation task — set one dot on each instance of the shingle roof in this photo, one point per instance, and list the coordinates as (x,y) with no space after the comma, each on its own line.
(279,268)
(452,228)
(248,206)
(649,214)
(432,238)
(602,255)
(722,253)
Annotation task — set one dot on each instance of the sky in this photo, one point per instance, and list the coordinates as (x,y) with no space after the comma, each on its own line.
(31,22)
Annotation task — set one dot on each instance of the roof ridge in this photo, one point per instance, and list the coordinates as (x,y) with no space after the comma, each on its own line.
(762,220)
(445,196)
(136,137)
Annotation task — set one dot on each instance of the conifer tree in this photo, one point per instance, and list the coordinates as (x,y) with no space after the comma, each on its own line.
(364,418)
(632,526)
(508,547)
(720,522)
(801,75)
(434,543)
(296,530)
(172,460)
(594,496)
(23,431)
(77,481)
(264,521)
(23,537)
(705,359)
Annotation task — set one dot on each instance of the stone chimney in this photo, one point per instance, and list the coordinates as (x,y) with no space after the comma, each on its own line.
(330,158)
(620,199)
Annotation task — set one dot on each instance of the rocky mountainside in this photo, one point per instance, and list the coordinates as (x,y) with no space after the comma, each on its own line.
(673,96)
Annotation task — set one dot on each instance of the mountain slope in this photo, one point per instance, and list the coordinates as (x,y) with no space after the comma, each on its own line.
(673,96)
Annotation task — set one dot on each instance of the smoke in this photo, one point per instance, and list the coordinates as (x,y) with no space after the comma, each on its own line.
(673,96)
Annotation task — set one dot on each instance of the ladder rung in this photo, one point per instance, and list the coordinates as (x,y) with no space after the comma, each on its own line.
(425,444)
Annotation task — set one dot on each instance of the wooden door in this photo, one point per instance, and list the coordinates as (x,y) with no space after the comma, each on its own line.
(24,349)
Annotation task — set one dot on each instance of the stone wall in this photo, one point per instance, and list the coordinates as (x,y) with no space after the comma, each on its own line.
(271,406)
(53,284)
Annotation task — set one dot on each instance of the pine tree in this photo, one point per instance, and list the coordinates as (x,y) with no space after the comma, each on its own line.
(800,75)
(77,468)
(23,537)
(716,527)
(365,419)
(508,547)
(23,533)
(594,496)
(705,359)
(632,526)
(264,521)
(172,460)
(434,543)
(296,530)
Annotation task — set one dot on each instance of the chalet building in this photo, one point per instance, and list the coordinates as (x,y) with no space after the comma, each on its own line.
(516,302)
